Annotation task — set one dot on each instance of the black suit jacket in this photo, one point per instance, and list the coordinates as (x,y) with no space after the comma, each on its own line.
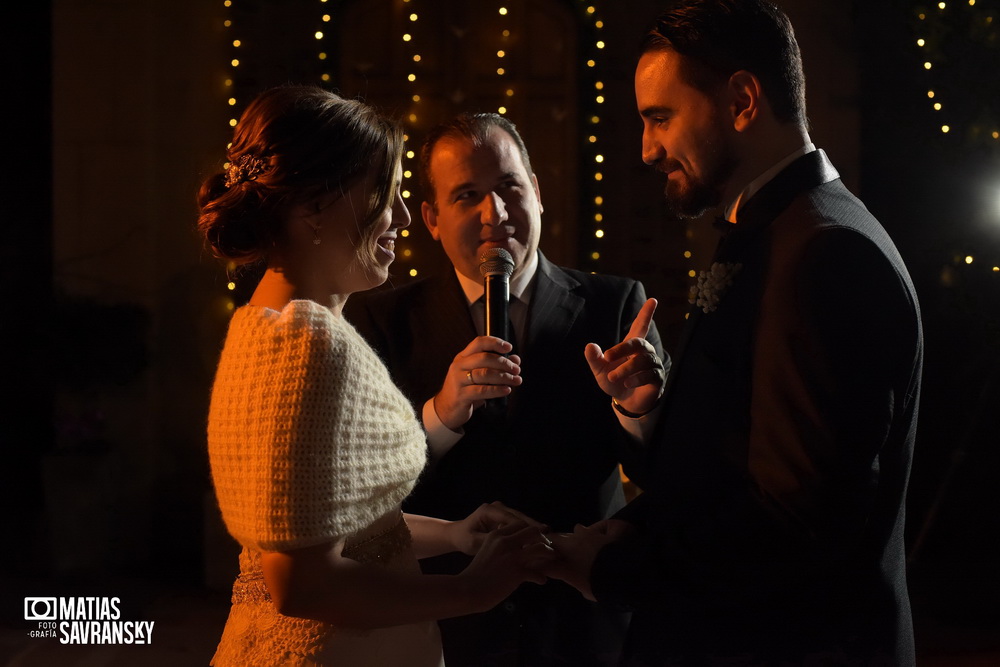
(553,452)
(771,526)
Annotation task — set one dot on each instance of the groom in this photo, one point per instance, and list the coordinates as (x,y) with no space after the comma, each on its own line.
(771,527)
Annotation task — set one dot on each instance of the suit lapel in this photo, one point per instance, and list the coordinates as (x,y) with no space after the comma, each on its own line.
(809,171)
(446,315)
(554,307)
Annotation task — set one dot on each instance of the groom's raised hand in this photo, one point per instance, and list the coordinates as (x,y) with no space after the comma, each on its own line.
(630,372)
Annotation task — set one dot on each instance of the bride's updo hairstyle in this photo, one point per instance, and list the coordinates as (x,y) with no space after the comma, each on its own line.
(293,144)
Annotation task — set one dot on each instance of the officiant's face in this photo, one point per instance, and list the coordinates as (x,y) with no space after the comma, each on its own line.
(684,134)
(483,198)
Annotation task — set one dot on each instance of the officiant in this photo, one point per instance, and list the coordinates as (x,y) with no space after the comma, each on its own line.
(551,448)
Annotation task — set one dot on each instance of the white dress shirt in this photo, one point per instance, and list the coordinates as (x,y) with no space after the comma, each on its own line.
(756,184)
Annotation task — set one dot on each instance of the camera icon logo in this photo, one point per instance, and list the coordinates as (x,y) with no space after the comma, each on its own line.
(40,609)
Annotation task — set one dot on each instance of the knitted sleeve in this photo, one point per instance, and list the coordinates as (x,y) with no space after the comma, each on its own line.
(309,440)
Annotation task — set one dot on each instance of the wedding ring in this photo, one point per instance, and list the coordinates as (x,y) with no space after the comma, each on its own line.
(469,374)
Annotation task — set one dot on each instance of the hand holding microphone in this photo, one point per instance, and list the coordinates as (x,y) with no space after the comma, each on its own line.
(486,368)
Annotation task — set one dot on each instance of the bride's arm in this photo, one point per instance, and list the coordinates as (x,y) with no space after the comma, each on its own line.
(432,537)
(319,583)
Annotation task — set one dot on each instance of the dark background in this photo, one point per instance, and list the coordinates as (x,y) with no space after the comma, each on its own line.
(114,314)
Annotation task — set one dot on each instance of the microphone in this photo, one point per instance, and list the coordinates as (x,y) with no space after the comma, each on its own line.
(496,266)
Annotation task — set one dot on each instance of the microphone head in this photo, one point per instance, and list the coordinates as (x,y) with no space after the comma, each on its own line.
(496,261)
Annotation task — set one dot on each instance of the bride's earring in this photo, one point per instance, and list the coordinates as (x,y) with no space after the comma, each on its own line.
(315,229)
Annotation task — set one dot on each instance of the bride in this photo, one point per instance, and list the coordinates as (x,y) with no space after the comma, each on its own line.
(312,447)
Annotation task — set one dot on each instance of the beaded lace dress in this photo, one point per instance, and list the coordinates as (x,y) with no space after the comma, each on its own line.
(254,623)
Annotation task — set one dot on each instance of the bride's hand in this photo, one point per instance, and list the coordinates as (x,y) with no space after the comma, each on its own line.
(468,534)
(507,557)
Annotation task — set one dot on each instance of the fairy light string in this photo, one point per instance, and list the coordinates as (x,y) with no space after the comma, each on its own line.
(593,96)
(939,28)
(320,35)
(236,47)
(958,42)
(505,82)
(413,59)
(594,99)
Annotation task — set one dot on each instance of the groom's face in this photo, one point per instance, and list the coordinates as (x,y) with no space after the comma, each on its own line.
(684,136)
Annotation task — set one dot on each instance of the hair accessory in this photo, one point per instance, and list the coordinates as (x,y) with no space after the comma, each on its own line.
(246,167)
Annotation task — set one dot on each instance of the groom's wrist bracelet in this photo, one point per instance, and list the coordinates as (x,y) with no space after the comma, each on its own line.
(622,411)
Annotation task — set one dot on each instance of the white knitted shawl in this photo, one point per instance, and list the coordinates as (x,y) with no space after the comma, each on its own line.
(309,439)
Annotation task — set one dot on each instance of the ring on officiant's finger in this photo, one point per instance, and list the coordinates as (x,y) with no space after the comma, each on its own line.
(469,374)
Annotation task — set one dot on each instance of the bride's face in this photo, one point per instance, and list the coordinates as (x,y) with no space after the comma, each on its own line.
(335,251)
(376,247)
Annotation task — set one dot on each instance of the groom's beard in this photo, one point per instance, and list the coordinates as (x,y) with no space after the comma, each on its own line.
(690,197)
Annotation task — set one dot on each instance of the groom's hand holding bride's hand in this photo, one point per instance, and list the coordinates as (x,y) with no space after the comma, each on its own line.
(578,550)
(509,548)
(469,533)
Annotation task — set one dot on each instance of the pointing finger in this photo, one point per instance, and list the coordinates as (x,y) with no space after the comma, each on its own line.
(640,326)
(595,357)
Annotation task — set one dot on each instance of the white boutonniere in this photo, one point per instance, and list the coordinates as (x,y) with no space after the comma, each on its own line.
(712,285)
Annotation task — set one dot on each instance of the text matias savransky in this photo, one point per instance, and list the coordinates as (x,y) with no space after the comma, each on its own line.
(85,620)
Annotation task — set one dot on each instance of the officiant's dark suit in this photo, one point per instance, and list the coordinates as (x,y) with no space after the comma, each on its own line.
(551,450)
(771,526)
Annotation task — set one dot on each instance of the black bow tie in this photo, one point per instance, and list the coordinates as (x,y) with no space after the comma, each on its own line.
(723,225)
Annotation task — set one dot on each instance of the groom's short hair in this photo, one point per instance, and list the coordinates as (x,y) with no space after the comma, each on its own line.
(720,37)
